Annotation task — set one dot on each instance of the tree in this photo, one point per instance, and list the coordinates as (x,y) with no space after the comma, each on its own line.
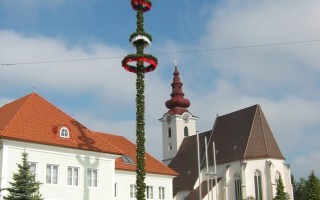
(24,185)
(313,189)
(299,188)
(281,194)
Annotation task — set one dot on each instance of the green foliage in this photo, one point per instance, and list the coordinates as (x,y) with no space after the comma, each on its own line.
(249,198)
(281,194)
(313,189)
(24,186)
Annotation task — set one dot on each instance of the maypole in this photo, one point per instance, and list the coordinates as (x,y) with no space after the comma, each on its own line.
(140,63)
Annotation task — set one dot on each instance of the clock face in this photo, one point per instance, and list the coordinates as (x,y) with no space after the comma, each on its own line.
(186,118)
(168,119)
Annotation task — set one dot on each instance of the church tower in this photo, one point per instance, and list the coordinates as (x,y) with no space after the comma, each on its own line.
(178,122)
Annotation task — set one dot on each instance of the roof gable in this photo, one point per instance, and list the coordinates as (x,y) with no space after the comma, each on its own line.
(33,119)
(261,142)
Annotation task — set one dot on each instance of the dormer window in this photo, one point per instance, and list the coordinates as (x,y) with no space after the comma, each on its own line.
(127,159)
(64,132)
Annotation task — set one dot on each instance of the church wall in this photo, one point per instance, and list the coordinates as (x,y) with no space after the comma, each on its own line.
(268,169)
(177,125)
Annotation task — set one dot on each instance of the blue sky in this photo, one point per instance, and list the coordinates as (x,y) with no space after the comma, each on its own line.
(283,79)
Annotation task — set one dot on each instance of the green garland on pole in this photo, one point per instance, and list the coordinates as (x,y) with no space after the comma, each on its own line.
(140,40)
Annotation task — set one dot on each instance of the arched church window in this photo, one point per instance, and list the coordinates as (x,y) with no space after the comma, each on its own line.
(186,131)
(257,185)
(237,186)
(169,132)
(276,178)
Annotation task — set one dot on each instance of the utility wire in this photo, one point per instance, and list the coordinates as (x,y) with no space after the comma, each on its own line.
(165,53)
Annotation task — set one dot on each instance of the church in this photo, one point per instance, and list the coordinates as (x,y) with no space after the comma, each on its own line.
(237,159)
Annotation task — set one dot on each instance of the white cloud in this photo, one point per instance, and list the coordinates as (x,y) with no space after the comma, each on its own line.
(92,76)
(309,161)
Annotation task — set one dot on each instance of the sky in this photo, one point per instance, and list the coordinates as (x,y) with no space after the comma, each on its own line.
(231,54)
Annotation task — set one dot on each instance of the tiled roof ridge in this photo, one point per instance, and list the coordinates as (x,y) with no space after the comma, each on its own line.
(97,133)
(250,133)
(28,97)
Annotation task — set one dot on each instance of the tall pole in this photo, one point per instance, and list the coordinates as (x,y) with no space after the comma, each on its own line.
(199,166)
(136,63)
(215,169)
(207,166)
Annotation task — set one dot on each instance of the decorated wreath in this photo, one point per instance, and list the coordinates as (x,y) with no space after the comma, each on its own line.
(144,4)
(146,58)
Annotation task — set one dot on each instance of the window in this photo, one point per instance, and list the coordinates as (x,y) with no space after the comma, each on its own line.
(52,174)
(169,132)
(186,132)
(149,192)
(133,191)
(34,169)
(257,185)
(276,178)
(126,159)
(237,185)
(161,193)
(170,147)
(73,176)
(64,132)
(92,176)
(116,190)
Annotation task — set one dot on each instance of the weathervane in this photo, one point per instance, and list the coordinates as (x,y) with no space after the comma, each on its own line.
(140,63)
(175,62)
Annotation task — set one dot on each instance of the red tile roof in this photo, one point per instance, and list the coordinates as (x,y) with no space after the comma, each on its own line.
(34,119)
(129,149)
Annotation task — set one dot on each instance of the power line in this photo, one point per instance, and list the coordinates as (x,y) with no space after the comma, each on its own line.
(165,53)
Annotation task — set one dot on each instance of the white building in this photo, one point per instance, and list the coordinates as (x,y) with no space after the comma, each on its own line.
(71,161)
(249,161)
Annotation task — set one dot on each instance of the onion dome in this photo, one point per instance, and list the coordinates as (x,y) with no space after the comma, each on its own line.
(177,104)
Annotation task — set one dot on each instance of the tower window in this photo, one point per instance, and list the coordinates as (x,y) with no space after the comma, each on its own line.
(169,132)
(186,131)
(64,132)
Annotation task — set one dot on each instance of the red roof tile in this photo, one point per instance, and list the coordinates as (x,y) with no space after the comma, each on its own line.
(33,119)
(129,149)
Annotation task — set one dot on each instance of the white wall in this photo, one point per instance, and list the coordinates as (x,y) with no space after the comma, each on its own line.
(125,178)
(177,126)
(64,157)
(267,167)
